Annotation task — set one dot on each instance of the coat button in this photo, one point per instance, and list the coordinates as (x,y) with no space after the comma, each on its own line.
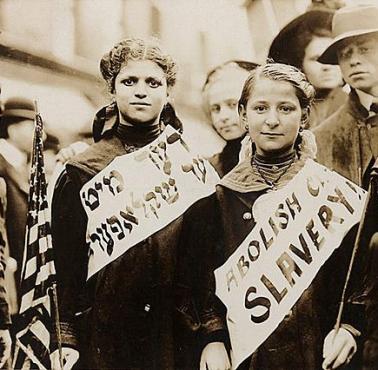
(247,216)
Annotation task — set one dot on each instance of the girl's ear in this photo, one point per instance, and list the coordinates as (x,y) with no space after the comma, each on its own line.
(243,113)
(243,117)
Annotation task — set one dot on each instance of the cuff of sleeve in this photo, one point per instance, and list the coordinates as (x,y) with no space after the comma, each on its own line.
(215,336)
(213,329)
(356,333)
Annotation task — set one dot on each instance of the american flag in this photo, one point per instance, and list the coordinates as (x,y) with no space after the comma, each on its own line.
(36,323)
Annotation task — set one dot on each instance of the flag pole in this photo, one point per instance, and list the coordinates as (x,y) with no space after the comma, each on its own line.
(57,324)
(357,241)
(54,296)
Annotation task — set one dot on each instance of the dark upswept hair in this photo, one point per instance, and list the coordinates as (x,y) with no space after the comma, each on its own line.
(304,38)
(136,49)
(281,72)
(290,44)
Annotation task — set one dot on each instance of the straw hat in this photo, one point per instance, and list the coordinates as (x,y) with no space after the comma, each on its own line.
(350,22)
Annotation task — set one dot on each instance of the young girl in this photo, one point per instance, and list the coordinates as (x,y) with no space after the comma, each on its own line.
(274,107)
(124,316)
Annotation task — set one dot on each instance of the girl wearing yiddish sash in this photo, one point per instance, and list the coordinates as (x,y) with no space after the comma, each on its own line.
(132,313)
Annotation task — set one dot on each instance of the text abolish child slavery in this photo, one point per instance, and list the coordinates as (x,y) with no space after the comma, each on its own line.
(305,242)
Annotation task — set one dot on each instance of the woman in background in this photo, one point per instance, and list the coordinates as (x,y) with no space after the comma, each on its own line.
(221,93)
(299,44)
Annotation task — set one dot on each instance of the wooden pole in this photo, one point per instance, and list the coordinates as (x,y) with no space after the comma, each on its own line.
(374,173)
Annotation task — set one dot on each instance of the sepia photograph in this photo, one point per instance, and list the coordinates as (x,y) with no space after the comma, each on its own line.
(189,184)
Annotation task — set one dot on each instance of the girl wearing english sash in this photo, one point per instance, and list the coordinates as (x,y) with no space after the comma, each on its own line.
(129,315)
(274,107)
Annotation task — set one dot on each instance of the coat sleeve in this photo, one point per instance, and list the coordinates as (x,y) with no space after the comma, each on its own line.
(200,253)
(353,313)
(370,355)
(71,254)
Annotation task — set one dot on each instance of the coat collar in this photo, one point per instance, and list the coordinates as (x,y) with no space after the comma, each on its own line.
(98,155)
(244,178)
(356,108)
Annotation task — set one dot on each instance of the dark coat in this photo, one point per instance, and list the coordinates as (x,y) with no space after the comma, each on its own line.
(228,158)
(298,341)
(17,209)
(370,358)
(348,141)
(137,312)
(15,222)
(370,230)
(325,107)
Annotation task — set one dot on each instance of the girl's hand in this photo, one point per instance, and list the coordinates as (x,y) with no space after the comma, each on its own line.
(338,349)
(214,357)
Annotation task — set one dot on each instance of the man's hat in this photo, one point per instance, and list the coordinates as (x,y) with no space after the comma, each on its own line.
(19,107)
(350,22)
(15,110)
(285,47)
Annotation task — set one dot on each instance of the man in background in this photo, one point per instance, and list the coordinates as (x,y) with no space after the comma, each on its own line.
(348,143)
(16,140)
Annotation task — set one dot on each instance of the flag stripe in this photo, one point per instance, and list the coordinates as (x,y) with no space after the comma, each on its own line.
(35,325)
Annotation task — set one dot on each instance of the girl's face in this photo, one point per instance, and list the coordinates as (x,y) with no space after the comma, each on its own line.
(223,96)
(140,91)
(321,76)
(273,114)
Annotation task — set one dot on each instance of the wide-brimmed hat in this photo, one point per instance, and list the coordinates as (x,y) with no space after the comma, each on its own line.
(15,110)
(19,107)
(350,22)
(285,47)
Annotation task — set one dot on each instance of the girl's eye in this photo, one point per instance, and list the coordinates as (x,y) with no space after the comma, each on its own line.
(154,83)
(215,108)
(232,105)
(286,108)
(128,81)
(260,108)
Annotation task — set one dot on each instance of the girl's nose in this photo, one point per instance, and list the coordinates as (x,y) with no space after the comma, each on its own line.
(272,119)
(140,91)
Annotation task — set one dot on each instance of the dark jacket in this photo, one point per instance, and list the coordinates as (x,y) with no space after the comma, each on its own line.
(370,231)
(348,141)
(137,312)
(15,217)
(298,341)
(324,107)
(228,158)
(370,358)
(17,209)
